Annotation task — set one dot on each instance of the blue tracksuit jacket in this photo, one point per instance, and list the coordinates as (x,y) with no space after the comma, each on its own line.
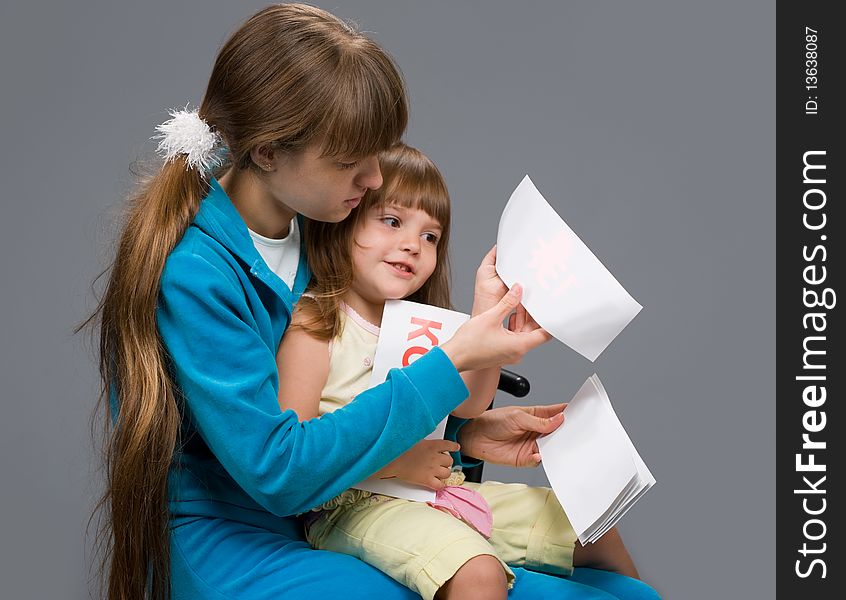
(221,316)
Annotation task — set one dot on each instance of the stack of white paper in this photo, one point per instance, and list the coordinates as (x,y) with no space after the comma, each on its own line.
(565,287)
(408,331)
(593,467)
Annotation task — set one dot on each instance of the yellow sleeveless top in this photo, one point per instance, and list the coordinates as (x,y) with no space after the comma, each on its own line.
(350,364)
(350,361)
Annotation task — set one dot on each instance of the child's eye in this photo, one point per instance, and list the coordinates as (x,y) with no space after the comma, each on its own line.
(347,165)
(391,221)
(431,238)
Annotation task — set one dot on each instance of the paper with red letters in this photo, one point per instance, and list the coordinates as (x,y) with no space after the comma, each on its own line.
(408,331)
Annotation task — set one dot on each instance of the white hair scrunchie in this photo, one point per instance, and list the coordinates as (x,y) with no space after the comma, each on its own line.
(186,133)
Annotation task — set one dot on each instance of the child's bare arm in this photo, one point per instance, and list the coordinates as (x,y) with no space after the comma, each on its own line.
(482,385)
(303,363)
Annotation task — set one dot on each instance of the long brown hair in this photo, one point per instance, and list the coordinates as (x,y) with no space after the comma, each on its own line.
(410,180)
(290,76)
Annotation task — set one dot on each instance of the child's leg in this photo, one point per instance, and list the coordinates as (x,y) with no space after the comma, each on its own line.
(530,528)
(607,553)
(419,546)
(480,578)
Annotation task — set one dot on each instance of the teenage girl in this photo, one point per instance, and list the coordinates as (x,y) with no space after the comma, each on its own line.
(202,467)
(394,246)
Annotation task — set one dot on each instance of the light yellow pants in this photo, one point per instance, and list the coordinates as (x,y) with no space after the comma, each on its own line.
(422,547)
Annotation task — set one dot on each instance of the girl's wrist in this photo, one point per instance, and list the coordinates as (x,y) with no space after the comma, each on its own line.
(464,437)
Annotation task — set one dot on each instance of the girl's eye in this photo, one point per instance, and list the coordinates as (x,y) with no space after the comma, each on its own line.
(391,221)
(431,238)
(347,165)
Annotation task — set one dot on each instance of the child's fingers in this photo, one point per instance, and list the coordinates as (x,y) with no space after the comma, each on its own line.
(530,321)
(520,321)
(444,446)
(444,461)
(435,483)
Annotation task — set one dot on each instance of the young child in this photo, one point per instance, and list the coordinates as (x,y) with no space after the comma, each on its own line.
(394,246)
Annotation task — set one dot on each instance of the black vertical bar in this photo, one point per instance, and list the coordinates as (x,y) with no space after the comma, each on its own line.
(810,228)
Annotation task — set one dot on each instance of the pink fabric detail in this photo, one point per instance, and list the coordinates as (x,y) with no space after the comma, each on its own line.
(467,505)
(362,322)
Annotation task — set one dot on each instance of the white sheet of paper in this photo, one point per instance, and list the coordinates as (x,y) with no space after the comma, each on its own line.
(408,331)
(565,287)
(642,483)
(592,465)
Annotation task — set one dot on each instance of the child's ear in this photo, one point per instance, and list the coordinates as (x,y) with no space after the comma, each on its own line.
(264,157)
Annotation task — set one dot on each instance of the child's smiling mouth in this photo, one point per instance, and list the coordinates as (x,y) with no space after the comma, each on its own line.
(402,269)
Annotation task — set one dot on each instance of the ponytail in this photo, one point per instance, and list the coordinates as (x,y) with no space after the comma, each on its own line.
(133,368)
(290,76)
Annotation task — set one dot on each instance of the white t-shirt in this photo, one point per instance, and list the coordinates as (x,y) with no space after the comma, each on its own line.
(282,256)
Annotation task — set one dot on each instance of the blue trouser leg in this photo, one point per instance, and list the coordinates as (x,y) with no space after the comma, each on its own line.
(217,559)
(619,586)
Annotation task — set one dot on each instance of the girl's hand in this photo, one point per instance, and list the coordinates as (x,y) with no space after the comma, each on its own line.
(508,435)
(483,342)
(426,463)
(489,287)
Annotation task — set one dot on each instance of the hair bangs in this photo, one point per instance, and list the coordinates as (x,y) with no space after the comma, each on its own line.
(426,193)
(366,111)
(411,180)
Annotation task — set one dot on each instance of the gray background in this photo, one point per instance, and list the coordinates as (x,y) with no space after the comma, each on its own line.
(649,126)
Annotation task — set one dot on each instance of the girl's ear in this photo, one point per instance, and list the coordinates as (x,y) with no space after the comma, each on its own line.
(264,157)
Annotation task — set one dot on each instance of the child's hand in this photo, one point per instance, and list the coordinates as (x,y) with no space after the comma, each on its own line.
(489,287)
(426,463)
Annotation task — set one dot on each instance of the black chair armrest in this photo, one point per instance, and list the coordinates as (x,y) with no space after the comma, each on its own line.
(512,383)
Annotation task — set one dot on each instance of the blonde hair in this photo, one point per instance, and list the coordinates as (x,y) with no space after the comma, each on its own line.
(410,180)
(289,76)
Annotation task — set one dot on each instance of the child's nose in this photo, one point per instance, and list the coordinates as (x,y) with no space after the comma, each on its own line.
(370,176)
(411,243)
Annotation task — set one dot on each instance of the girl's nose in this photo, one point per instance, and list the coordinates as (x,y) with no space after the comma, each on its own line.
(410,243)
(370,176)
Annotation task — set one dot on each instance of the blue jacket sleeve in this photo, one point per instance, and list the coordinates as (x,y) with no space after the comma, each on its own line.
(228,377)
(453,426)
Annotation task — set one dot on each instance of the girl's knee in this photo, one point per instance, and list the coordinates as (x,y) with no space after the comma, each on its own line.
(480,577)
(485,567)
